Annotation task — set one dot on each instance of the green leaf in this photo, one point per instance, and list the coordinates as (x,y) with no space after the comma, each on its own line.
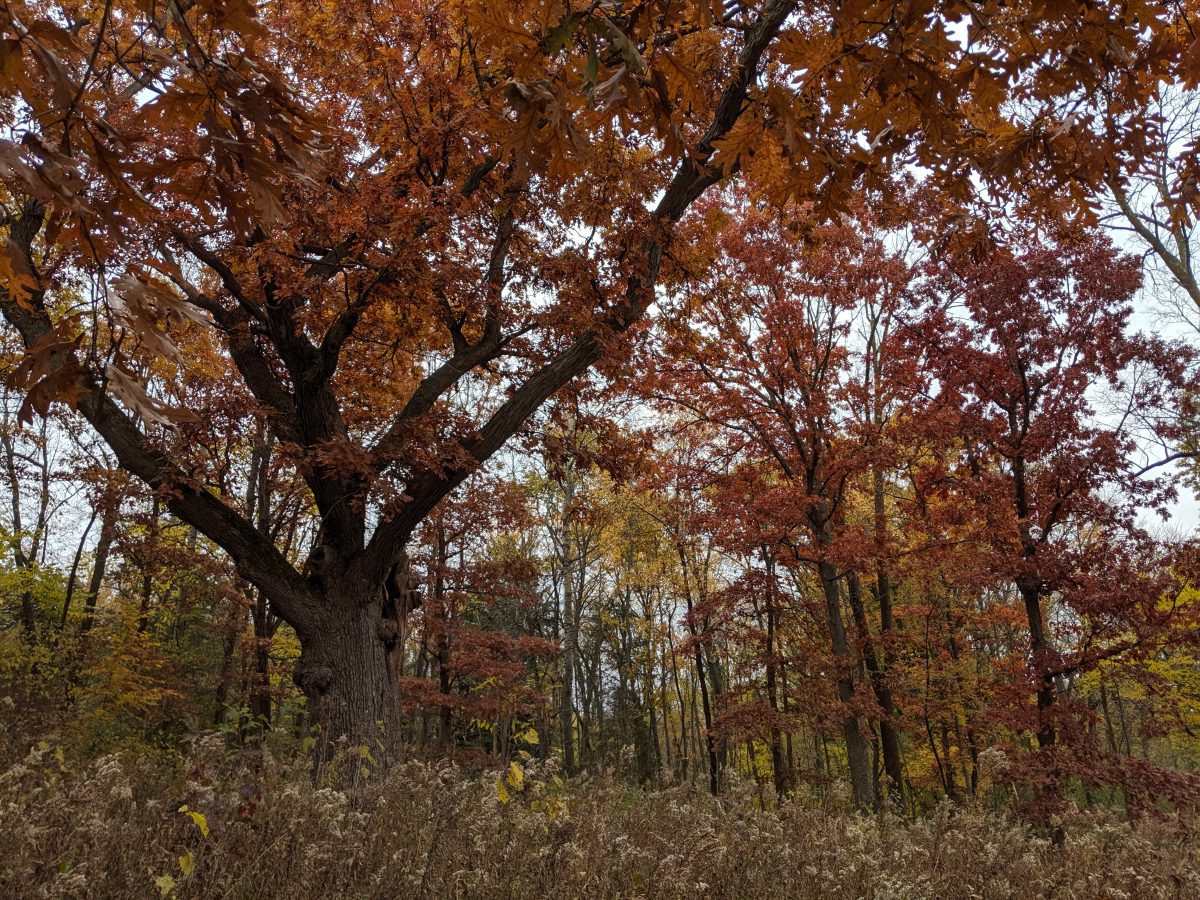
(560,35)
(622,45)
(591,69)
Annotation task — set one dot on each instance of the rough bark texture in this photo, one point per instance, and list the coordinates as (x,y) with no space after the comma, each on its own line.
(351,692)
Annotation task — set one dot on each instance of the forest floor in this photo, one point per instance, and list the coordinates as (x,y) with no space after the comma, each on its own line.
(222,824)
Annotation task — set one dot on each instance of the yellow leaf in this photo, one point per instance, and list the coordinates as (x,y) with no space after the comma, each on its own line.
(501,792)
(200,820)
(187,863)
(516,777)
(165,884)
(737,143)
(529,736)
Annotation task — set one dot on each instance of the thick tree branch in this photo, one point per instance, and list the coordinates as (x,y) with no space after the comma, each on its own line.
(691,179)
(315,414)
(257,558)
(256,372)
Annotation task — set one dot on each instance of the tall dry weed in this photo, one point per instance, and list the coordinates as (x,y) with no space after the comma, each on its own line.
(254,827)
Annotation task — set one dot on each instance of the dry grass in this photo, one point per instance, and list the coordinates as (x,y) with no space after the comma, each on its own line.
(111,828)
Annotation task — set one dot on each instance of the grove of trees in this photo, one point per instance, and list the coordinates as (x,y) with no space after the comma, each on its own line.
(792,390)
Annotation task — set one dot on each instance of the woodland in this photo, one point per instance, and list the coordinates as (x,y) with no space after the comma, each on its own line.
(590,448)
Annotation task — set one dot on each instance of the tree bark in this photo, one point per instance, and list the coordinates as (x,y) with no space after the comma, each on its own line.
(352,696)
(889,740)
(857,758)
(108,531)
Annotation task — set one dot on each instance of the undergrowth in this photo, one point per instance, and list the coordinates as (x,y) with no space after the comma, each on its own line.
(226,823)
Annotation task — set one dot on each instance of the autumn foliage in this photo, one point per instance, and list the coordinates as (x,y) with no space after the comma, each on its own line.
(763,395)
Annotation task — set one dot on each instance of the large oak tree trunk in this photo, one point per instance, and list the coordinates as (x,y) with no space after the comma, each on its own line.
(351,690)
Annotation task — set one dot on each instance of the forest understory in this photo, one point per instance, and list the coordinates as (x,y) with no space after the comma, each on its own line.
(216,823)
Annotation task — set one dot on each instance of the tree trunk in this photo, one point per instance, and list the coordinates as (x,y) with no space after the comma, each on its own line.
(567,699)
(1043,674)
(108,533)
(149,563)
(779,771)
(701,677)
(73,576)
(857,758)
(441,612)
(352,697)
(893,762)
(265,625)
(233,630)
(888,738)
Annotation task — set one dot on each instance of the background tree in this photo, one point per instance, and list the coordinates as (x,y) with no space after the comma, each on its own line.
(1017,348)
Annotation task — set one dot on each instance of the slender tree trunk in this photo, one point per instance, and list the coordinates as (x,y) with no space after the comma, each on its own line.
(441,609)
(948,766)
(889,740)
(971,776)
(701,677)
(779,769)
(1043,675)
(108,531)
(684,754)
(73,577)
(1108,725)
(265,623)
(28,610)
(1051,794)
(857,757)
(893,762)
(567,700)
(233,630)
(148,563)
(665,706)
(791,755)
(265,626)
